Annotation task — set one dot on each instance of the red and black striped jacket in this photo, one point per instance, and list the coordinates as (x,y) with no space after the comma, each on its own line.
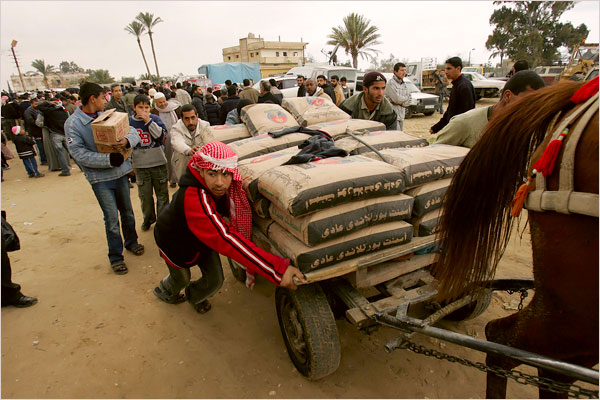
(192,226)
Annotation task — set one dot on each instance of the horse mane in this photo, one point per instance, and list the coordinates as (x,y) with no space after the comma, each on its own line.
(476,222)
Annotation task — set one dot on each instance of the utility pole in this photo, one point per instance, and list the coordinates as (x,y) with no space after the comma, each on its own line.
(12,47)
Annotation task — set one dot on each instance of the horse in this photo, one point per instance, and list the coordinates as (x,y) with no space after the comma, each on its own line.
(561,321)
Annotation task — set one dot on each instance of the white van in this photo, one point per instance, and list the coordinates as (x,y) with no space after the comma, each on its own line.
(314,70)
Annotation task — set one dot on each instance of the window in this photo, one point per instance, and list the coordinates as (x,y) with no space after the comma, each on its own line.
(276,54)
(295,54)
(229,57)
(251,54)
(556,70)
(285,53)
(237,56)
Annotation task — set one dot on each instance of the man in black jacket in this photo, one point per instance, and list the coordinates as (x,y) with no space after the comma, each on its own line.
(198,102)
(327,88)
(35,131)
(462,95)
(229,104)
(55,117)
(301,87)
(265,94)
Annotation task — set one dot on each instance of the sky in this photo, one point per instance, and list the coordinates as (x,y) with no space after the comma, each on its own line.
(91,33)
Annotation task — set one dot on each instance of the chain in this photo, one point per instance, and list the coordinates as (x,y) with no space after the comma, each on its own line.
(572,390)
(524,294)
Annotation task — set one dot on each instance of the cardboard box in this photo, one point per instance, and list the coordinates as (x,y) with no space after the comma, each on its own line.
(108,129)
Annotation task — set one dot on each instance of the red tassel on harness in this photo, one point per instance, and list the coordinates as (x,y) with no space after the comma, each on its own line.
(586,91)
(545,165)
(520,197)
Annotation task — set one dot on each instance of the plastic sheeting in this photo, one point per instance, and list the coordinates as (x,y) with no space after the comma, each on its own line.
(235,71)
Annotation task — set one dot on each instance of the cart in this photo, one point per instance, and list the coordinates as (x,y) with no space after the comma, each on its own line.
(402,277)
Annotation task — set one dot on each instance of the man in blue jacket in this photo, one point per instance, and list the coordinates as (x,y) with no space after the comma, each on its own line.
(106,172)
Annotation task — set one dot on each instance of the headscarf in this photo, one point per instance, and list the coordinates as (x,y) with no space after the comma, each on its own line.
(219,156)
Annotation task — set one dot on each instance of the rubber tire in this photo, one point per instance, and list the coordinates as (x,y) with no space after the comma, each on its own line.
(428,113)
(473,309)
(237,272)
(319,331)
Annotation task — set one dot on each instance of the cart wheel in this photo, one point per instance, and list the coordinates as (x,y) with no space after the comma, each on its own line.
(473,309)
(238,272)
(308,329)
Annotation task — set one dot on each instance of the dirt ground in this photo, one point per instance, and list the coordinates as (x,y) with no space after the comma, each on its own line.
(94,334)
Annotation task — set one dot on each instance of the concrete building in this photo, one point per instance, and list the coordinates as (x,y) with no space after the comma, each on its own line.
(35,81)
(274,57)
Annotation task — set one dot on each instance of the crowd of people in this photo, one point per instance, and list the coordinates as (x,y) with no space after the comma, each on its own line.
(170,146)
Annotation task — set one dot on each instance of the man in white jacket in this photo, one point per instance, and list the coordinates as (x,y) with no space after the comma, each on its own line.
(187,136)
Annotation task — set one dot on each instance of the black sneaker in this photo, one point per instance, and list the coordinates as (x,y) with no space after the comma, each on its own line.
(64,174)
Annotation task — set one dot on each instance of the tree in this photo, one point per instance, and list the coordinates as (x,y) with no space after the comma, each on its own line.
(136,28)
(44,69)
(67,67)
(531,30)
(385,65)
(128,79)
(356,37)
(99,76)
(149,22)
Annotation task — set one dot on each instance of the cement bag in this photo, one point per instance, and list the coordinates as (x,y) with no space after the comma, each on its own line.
(426,225)
(356,126)
(252,168)
(424,164)
(380,140)
(261,207)
(264,144)
(312,110)
(428,197)
(229,133)
(303,188)
(261,224)
(324,225)
(265,118)
(355,244)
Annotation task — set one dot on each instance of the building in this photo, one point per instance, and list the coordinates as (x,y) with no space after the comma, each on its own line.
(35,81)
(275,58)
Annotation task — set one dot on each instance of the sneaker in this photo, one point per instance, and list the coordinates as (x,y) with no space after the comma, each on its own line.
(40,175)
(64,174)
(32,176)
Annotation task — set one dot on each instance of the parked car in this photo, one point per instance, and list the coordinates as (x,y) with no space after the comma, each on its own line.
(314,70)
(286,83)
(420,102)
(549,73)
(483,86)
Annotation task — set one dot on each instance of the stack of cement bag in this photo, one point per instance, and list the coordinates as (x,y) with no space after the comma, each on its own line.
(228,133)
(313,110)
(426,172)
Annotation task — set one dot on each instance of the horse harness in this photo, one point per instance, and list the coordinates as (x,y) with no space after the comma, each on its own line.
(566,200)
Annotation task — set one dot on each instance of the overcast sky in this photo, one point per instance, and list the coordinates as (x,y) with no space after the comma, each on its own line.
(193,33)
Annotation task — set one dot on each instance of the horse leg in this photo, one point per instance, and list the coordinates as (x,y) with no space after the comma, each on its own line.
(498,331)
(583,360)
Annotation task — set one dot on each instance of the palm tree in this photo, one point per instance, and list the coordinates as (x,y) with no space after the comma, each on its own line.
(44,69)
(137,29)
(149,22)
(356,37)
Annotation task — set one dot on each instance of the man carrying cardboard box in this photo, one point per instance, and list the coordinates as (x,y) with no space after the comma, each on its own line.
(107,173)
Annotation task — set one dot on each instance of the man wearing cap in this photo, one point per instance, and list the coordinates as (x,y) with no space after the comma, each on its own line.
(192,231)
(371,103)
(465,129)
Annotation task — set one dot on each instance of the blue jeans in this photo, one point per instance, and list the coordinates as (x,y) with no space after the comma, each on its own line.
(30,166)
(113,197)
(60,146)
(39,142)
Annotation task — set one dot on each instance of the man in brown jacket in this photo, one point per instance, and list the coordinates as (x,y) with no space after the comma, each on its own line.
(248,92)
(337,89)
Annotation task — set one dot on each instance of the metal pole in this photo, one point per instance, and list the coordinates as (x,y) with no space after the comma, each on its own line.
(526,357)
(12,47)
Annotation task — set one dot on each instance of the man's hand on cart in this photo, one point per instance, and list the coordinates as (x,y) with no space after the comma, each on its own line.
(288,280)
